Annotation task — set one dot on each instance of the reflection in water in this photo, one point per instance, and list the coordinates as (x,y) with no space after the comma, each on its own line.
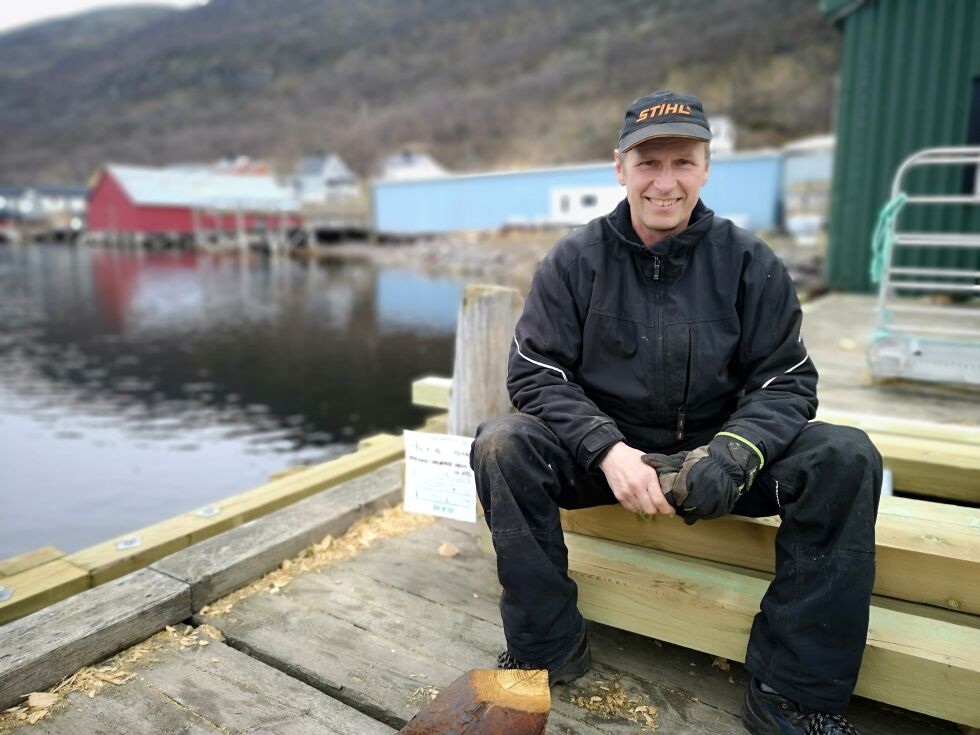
(134,386)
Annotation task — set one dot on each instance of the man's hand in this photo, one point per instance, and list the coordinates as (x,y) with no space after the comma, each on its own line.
(706,482)
(634,483)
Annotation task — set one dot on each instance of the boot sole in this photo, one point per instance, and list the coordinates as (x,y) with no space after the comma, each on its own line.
(757,723)
(572,670)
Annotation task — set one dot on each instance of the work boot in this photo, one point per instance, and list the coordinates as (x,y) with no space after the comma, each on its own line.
(563,671)
(766,713)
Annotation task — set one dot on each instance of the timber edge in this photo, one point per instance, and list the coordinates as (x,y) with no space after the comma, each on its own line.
(34,580)
(926,458)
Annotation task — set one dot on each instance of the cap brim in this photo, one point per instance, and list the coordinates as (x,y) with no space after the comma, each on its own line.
(664,130)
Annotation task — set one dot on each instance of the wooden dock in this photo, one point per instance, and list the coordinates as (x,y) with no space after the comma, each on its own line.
(355,645)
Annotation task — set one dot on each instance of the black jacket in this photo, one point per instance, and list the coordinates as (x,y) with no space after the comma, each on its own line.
(662,351)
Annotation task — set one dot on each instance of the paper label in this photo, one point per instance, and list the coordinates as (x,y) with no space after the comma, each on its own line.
(438,478)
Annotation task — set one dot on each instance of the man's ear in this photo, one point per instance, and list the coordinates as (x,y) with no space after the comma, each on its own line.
(619,168)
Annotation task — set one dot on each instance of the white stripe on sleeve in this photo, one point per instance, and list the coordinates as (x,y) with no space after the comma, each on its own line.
(541,364)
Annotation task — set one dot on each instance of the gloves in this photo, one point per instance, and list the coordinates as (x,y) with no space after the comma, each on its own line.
(707,482)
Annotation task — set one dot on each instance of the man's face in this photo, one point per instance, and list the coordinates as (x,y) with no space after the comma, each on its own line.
(663,179)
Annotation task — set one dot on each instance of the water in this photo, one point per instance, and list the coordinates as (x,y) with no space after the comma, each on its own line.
(137,386)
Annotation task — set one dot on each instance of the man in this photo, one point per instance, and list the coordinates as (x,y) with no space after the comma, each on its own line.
(658,363)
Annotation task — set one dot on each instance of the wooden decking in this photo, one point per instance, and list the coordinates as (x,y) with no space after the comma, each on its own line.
(358,646)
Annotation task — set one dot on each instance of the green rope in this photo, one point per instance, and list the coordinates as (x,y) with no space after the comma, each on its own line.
(884,238)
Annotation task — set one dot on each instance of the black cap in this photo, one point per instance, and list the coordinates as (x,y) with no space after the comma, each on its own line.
(662,114)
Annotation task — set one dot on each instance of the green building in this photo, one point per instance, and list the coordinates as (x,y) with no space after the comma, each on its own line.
(910,79)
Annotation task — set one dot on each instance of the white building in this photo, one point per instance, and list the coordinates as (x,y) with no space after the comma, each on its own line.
(324,178)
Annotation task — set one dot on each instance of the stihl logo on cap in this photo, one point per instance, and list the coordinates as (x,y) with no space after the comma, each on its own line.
(663,109)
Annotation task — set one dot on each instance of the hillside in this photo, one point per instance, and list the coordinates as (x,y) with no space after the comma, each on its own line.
(481,84)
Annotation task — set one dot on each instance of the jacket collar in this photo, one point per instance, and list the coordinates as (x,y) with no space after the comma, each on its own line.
(678,247)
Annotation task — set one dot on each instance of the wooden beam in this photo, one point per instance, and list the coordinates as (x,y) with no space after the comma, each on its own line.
(920,559)
(29,560)
(220,565)
(432,391)
(118,556)
(917,657)
(932,467)
(39,587)
(877,424)
(487,316)
(942,462)
(42,649)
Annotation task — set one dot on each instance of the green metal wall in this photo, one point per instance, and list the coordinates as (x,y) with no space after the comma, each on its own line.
(906,77)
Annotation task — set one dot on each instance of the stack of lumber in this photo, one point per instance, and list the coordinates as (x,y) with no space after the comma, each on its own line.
(926,458)
(700,586)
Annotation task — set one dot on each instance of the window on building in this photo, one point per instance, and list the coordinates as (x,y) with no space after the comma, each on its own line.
(564,204)
(589,200)
(971,176)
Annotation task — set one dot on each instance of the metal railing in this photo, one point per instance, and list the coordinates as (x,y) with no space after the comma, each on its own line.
(934,340)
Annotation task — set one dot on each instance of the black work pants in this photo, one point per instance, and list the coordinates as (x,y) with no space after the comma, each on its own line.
(808,638)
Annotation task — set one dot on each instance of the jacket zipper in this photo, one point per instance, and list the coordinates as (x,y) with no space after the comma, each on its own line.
(656,267)
(687,386)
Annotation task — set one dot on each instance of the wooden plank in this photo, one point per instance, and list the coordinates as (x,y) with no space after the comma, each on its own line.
(931,467)
(185,689)
(925,662)
(381,641)
(374,440)
(432,391)
(220,565)
(107,561)
(928,458)
(29,560)
(403,596)
(484,332)
(961,433)
(40,649)
(936,562)
(39,587)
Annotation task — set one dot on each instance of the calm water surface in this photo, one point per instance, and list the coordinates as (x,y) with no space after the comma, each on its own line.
(136,386)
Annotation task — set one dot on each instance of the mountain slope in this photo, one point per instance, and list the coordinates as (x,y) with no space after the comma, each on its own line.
(481,84)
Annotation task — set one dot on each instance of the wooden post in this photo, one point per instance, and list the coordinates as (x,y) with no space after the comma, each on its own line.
(240,230)
(483,335)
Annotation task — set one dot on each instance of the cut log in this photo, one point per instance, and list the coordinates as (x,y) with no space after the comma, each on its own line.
(487,702)
(917,657)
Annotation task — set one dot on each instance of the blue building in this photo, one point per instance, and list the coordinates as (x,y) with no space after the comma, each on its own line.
(744,186)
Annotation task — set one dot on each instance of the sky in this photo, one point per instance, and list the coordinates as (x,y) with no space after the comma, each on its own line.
(14,13)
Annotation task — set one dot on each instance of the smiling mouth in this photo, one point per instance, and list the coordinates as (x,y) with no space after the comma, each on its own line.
(663,203)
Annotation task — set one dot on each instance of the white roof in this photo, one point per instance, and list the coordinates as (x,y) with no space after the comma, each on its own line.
(814,144)
(201,189)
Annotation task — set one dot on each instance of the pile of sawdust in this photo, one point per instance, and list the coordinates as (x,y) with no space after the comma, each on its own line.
(609,701)
(362,535)
(115,671)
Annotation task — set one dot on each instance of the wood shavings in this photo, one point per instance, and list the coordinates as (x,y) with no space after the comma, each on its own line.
(721,663)
(422,695)
(447,549)
(362,535)
(610,701)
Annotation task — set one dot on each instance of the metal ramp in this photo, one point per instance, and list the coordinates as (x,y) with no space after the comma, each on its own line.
(928,319)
